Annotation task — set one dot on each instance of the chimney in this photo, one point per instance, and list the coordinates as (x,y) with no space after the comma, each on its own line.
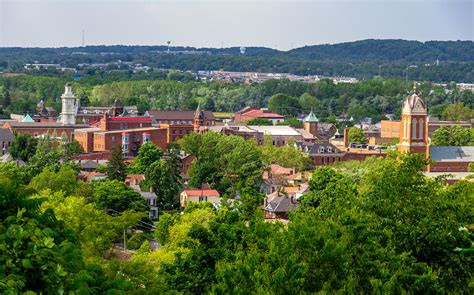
(346,137)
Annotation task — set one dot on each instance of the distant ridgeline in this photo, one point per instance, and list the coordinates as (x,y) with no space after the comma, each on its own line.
(436,61)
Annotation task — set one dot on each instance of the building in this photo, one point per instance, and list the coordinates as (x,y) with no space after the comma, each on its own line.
(179,117)
(64,129)
(414,138)
(280,135)
(91,114)
(414,126)
(68,113)
(391,129)
(199,195)
(322,153)
(277,205)
(249,113)
(6,139)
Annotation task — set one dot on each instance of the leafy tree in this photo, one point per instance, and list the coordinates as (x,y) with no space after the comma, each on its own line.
(113,194)
(38,253)
(259,122)
(72,148)
(23,147)
(309,102)
(458,112)
(64,180)
(165,182)
(356,135)
(452,136)
(286,156)
(293,122)
(147,155)
(284,104)
(116,168)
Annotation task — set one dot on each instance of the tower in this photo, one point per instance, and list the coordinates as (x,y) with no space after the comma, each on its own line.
(68,110)
(310,124)
(198,118)
(414,125)
(117,108)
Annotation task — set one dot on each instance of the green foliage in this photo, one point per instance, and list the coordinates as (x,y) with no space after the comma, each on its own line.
(72,148)
(293,122)
(147,155)
(259,122)
(23,147)
(356,135)
(116,168)
(458,112)
(286,156)
(113,194)
(453,136)
(227,163)
(284,104)
(64,180)
(165,181)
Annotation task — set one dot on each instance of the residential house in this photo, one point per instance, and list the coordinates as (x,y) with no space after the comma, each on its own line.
(277,205)
(199,195)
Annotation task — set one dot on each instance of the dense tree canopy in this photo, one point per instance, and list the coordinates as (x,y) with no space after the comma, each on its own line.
(356,135)
(453,136)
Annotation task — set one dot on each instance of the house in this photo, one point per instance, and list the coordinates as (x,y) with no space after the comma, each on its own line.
(6,139)
(199,195)
(250,113)
(91,176)
(275,177)
(451,158)
(277,205)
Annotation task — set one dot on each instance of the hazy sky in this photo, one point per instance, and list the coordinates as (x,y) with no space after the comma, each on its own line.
(276,24)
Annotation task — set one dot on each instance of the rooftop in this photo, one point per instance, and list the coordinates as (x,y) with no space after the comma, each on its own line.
(199,192)
(276,130)
(452,153)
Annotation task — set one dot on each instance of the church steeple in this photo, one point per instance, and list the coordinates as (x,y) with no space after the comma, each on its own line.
(414,125)
(198,118)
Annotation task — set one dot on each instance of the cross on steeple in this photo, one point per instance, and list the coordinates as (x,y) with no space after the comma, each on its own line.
(459,152)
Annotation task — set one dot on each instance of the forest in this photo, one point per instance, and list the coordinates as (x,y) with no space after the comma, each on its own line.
(434,61)
(377,226)
(170,90)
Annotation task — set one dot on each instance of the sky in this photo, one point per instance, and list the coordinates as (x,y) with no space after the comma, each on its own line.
(224,23)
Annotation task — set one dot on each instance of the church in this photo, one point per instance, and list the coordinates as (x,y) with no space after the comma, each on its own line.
(414,138)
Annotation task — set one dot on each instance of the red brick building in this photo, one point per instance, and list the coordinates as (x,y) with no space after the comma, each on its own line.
(250,113)
(40,129)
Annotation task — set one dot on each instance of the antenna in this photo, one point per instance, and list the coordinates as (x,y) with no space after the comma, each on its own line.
(82,37)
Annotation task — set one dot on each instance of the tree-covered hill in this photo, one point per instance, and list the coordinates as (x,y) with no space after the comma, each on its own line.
(389,51)
(394,59)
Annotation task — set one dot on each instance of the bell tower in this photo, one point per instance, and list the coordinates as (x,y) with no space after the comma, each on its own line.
(310,124)
(68,110)
(414,125)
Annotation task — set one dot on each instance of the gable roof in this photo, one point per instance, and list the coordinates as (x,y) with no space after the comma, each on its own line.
(6,134)
(262,114)
(277,202)
(204,193)
(452,153)
(178,115)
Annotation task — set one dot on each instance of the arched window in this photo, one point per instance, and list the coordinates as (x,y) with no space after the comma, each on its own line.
(413,128)
(420,130)
(404,128)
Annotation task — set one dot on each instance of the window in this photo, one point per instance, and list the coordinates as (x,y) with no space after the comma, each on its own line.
(420,131)
(113,138)
(413,128)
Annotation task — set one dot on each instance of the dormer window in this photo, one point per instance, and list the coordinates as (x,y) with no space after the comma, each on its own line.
(321,150)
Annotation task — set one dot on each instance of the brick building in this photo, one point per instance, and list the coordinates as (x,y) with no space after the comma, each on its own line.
(129,132)
(40,129)
(391,129)
(179,117)
(6,138)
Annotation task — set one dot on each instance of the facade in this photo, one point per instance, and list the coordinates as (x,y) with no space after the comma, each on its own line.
(391,129)
(176,132)
(40,129)
(130,139)
(6,138)
(197,196)
(179,117)
(414,126)
(68,113)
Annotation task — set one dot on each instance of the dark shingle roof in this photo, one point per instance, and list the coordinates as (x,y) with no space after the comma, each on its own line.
(6,134)
(178,115)
(278,202)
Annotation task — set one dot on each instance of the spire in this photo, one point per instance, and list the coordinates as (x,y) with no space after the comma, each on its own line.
(199,114)
(311,118)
